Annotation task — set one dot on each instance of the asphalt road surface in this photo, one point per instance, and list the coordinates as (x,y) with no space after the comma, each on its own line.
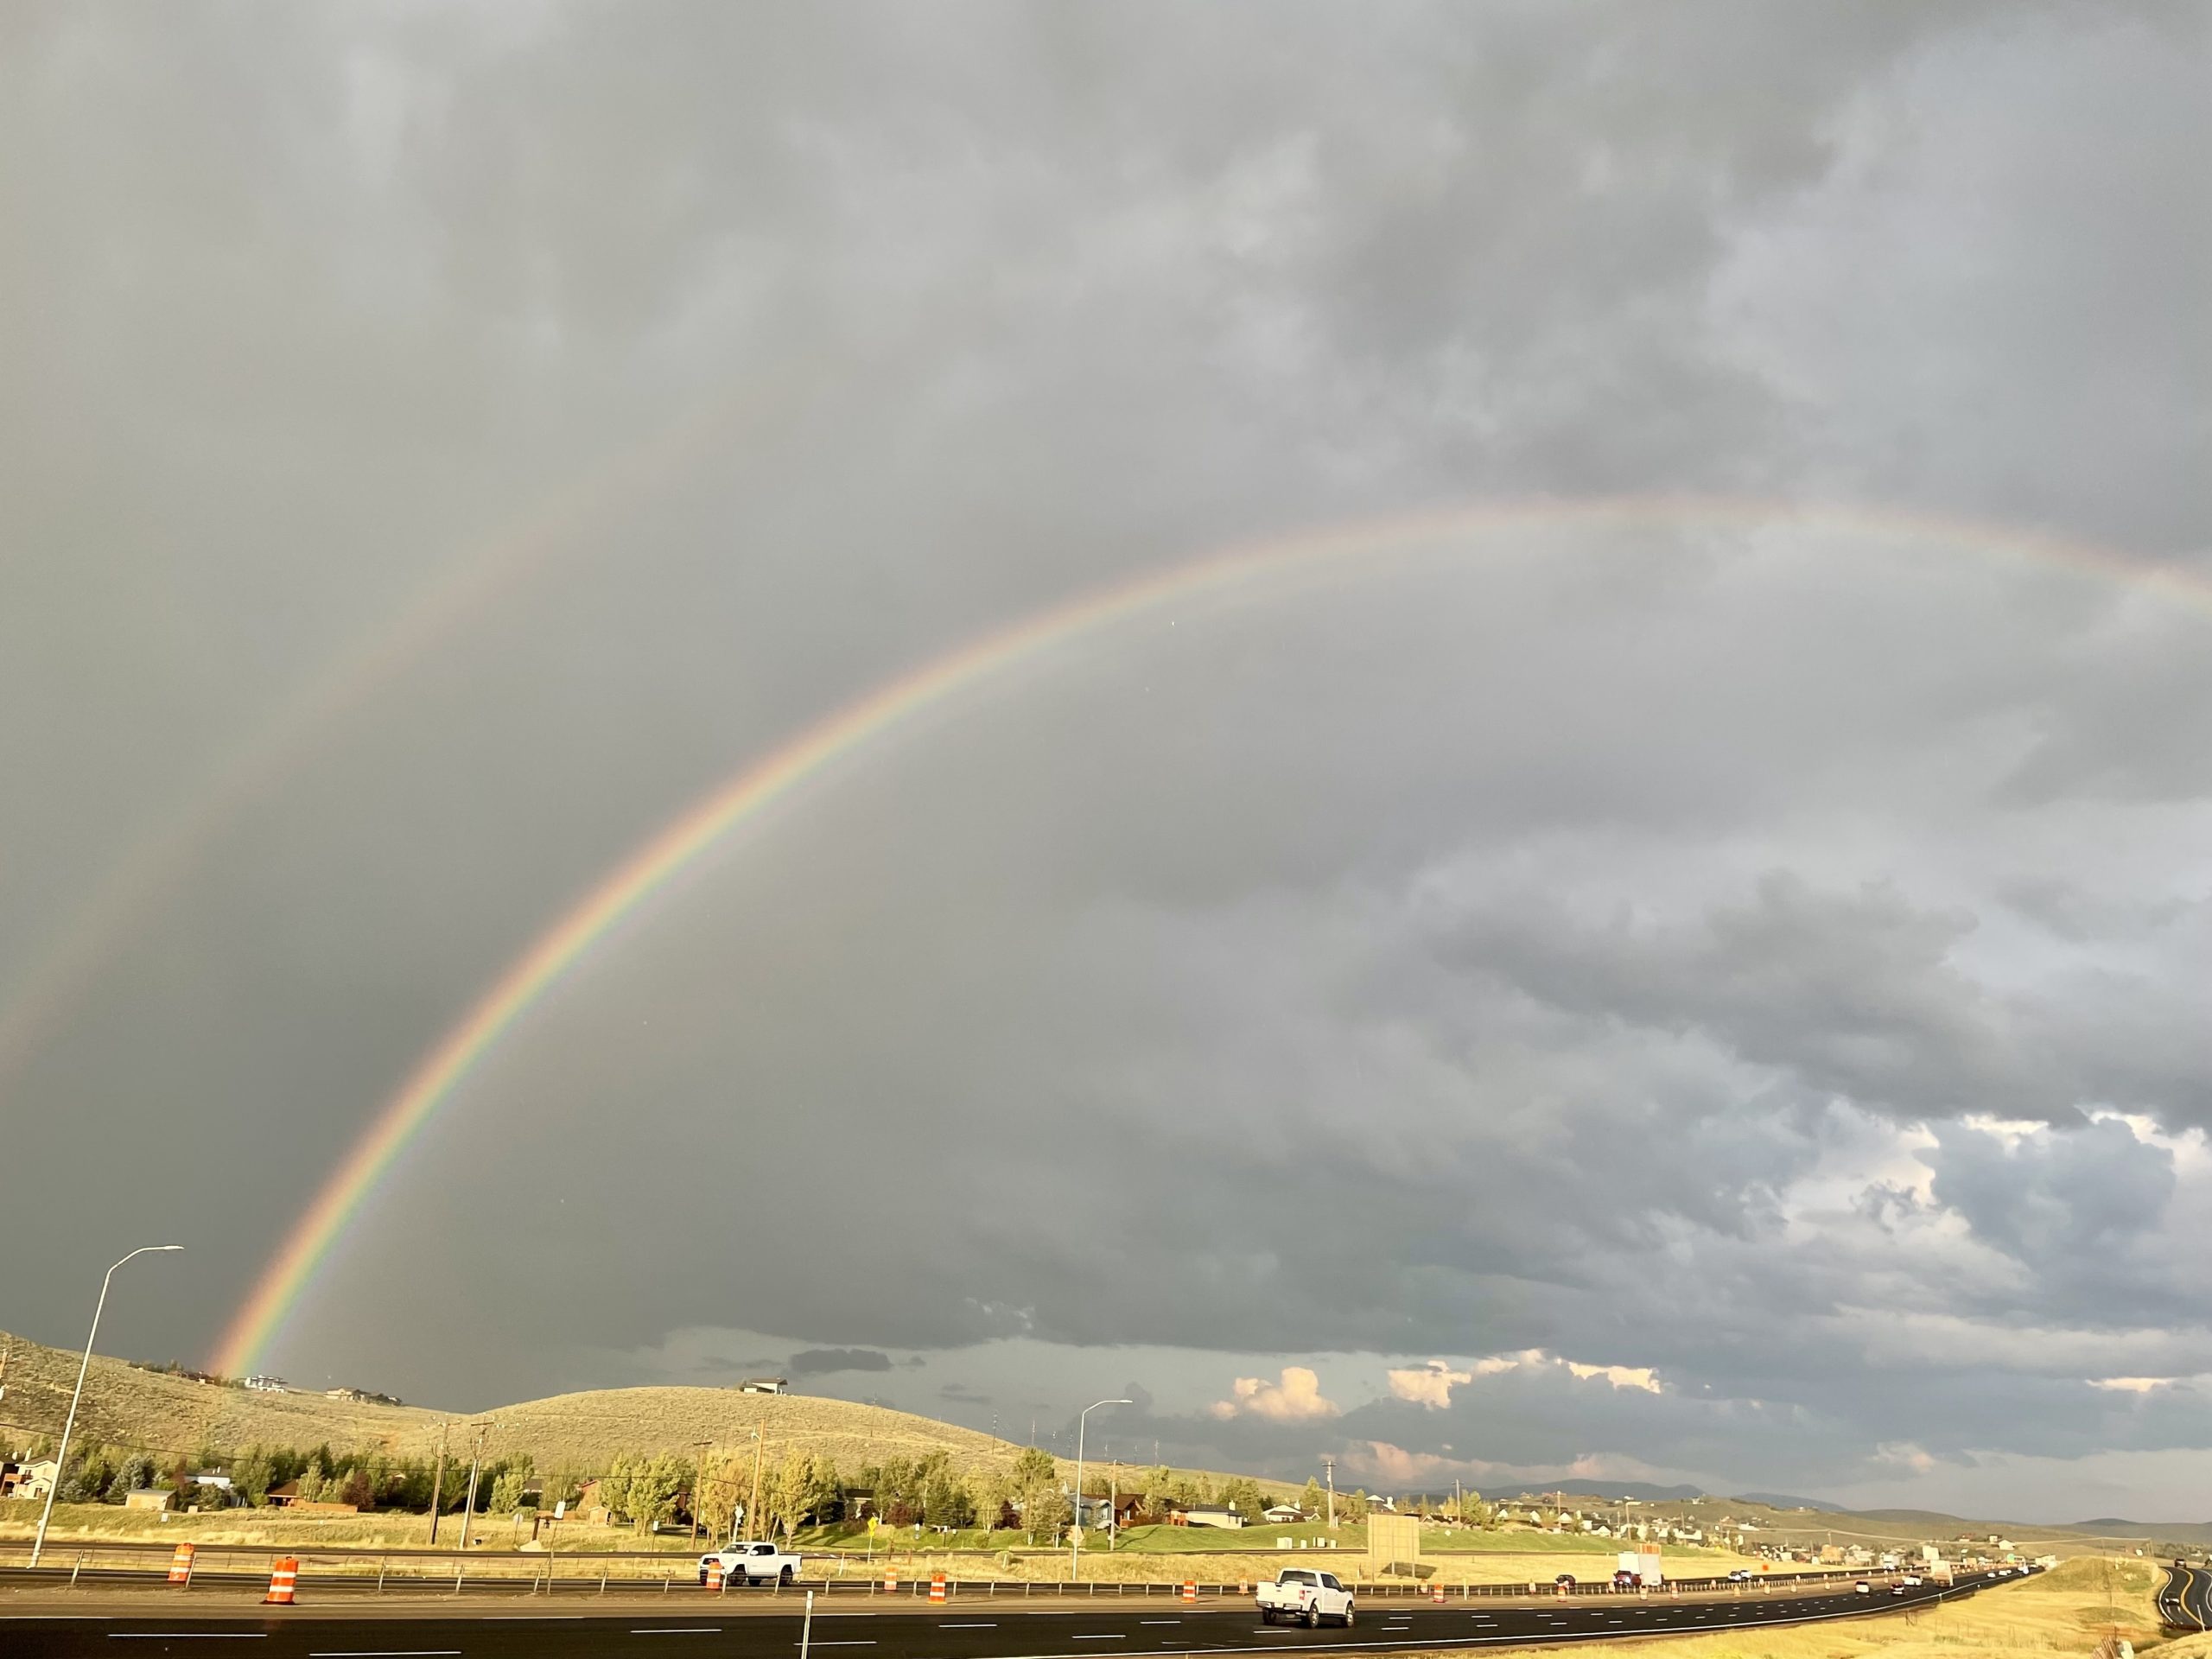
(2185,1604)
(977,1632)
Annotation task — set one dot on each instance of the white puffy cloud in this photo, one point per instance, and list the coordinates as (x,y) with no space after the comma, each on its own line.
(1296,1398)
(1427,1385)
(1431,1385)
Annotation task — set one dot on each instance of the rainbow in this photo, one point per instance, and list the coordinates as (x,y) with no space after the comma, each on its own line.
(482,574)
(897,703)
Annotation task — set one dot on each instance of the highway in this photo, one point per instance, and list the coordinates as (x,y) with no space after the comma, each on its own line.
(981,1631)
(2185,1603)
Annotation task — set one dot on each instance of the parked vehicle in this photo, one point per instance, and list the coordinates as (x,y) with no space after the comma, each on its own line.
(1865,1588)
(1741,1575)
(1625,1580)
(1306,1596)
(751,1563)
(1565,1581)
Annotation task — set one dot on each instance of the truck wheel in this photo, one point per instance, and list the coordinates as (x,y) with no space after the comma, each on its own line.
(1348,1615)
(1266,1615)
(1313,1614)
(785,1575)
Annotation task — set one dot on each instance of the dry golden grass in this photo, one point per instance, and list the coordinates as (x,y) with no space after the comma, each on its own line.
(2067,1610)
(583,1430)
(170,1415)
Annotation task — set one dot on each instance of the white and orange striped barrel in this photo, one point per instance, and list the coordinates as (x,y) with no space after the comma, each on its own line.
(1189,1589)
(936,1587)
(181,1565)
(283,1579)
(714,1575)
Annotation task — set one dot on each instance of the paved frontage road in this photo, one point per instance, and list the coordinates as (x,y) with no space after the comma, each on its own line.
(980,1630)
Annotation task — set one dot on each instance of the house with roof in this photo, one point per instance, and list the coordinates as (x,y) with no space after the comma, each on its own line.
(29,1481)
(1202,1515)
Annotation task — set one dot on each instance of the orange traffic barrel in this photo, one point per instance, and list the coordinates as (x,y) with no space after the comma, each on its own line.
(1436,1592)
(181,1565)
(282,1579)
(714,1575)
(1189,1589)
(936,1587)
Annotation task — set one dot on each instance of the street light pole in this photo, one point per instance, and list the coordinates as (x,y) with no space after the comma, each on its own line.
(61,1458)
(1075,1535)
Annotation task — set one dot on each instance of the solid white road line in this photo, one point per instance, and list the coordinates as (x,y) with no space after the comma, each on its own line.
(868,1643)
(678,1630)
(1098,1638)
(1160,1621)
(187,1636)
(386,1653)
(967,1627)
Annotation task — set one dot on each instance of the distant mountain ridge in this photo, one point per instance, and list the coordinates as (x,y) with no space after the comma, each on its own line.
(1644,1492)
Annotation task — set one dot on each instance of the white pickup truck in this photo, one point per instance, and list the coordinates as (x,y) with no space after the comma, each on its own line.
(751,1563)
(1305,1595)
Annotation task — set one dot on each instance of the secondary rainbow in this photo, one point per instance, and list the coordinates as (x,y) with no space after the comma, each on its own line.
(659,860)
(481,575)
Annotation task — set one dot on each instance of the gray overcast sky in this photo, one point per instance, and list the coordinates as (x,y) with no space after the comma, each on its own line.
(1704,999)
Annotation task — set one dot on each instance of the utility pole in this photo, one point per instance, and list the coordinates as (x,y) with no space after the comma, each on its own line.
(475,1466)
(1328,1466)
(698,1488)
(438,1479)
(759,1439)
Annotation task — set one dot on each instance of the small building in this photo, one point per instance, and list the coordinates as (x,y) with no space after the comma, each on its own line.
(1204,1515)
(591,1507)
(149,1497)
(1283,1515)
(29,1481)
(268,1385)
(764,1385)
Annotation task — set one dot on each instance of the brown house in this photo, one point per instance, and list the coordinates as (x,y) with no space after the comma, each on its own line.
(287,1496)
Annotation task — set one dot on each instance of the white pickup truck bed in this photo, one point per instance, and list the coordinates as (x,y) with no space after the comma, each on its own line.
(1305,1595)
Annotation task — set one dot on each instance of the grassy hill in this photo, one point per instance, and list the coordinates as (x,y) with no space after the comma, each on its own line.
(581,1430)
(161,1413)
(153,1411)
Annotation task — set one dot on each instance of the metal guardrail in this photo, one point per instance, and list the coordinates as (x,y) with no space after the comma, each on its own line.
(545,1577)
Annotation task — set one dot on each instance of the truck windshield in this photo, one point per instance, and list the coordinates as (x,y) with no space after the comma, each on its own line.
(1295,1578)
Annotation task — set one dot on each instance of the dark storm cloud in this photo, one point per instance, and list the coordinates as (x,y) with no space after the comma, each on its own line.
(821,1362)
(1718,952)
